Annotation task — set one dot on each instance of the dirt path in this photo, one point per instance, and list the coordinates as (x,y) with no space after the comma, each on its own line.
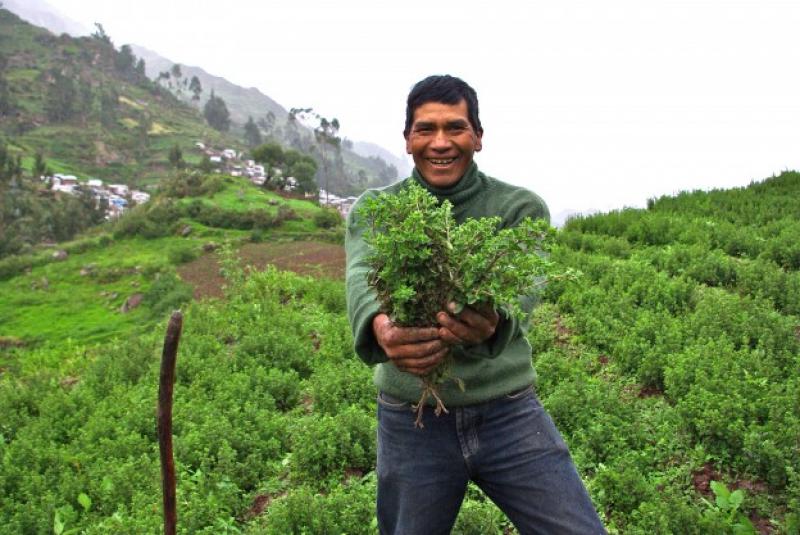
(303,257)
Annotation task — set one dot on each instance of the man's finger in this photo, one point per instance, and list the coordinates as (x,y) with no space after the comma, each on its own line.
(390,334)
(448,337)
(455,330)
(421,366)
(478,318)
(415,351)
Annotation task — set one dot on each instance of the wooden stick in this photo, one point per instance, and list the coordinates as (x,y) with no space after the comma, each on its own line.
(164,422)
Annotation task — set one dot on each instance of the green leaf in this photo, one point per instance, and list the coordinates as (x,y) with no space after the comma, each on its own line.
(736,498)
(58,525)
(85,501)
(743,526)
(722,495)
(107,485)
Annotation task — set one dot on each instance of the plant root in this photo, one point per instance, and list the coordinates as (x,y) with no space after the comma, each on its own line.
(428,391)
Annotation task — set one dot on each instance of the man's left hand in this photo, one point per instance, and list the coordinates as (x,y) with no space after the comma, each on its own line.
(470,326)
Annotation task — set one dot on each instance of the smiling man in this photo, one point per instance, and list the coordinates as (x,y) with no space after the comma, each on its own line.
(496,433)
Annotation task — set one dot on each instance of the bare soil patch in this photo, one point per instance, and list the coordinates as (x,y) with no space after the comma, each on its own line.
(313,258)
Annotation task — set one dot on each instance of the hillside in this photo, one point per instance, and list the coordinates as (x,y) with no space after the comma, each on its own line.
(82,293)
(91,110)
(360,165)
(671,366)
(241,102)
(88,108)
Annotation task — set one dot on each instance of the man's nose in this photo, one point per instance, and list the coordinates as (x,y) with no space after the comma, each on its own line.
(440,141)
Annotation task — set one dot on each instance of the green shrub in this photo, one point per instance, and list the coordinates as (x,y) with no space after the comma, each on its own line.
(347,508)
(336,386)
(327,218)
(166,294)
(323,447)
(182,254)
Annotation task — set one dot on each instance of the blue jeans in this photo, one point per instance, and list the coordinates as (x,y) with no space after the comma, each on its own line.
(508,446)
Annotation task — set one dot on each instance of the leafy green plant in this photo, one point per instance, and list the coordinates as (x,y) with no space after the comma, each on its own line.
(729,503)
(423,260)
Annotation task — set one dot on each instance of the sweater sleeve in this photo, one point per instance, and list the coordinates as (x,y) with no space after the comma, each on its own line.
(523,204)
(362,302)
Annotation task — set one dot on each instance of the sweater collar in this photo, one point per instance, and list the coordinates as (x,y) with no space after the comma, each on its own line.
(463,190)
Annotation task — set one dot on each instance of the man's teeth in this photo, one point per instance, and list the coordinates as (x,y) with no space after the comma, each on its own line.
(441,162)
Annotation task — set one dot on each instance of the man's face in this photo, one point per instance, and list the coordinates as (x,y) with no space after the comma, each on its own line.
(442,142)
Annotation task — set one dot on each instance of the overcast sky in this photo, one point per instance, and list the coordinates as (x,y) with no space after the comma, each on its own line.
(593,105)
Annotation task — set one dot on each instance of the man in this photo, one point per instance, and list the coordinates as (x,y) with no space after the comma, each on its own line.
(496,432)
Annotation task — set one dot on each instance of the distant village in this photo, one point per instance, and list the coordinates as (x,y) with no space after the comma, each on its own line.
(119,197)
(115,197)
(230,162)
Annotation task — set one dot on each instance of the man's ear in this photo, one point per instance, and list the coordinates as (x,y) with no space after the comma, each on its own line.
(408,143)
(479,141)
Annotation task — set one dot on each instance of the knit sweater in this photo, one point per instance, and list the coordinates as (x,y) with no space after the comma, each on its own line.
(498,366)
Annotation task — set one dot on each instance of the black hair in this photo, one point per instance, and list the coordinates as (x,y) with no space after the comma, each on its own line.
(447,90)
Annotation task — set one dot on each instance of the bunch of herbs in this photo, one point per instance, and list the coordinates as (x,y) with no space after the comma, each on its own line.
(422,261)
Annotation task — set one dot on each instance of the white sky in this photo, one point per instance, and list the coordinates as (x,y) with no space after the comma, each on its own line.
(593,105)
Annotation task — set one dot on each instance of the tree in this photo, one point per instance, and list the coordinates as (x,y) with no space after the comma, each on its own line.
(85,100)
(269,153)
(326,134)
(176,157)
(125,61)
(267,123)
(196,88)
(141,73)
(60,98)
(176,73)
(39,165)
(109,102)
(5,101)
(272,156)
(216,113)
(100,34)
(303,171)
(251,133)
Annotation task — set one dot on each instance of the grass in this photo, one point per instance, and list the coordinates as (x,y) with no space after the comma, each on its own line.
(54,302)
(239,195)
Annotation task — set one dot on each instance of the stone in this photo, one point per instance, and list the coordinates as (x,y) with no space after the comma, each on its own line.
(186,230)
(131,302)
(61,254)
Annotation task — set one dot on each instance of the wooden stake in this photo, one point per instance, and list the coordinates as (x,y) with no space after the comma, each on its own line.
(164,422)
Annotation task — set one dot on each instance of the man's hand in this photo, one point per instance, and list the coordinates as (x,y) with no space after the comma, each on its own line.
(471,326)
(416,350)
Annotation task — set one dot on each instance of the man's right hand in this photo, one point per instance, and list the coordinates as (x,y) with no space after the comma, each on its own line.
(416,350)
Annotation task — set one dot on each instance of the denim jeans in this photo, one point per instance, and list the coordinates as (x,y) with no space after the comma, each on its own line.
(508,446)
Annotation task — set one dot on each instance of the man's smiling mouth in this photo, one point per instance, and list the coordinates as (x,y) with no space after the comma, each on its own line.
(441,161)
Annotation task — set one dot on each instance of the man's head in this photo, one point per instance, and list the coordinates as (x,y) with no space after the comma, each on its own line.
(447,90)
(443,129)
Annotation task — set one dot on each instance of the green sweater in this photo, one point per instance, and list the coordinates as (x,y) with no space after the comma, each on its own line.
(489,370)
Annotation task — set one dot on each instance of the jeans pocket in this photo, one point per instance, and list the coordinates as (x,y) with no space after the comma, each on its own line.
(392,403)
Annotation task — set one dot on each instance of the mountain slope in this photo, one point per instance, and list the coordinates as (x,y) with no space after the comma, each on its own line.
(355,168)
(89,108)
(347,175)
(242,103)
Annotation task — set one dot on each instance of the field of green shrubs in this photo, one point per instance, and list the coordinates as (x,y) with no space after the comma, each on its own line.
(671,366)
